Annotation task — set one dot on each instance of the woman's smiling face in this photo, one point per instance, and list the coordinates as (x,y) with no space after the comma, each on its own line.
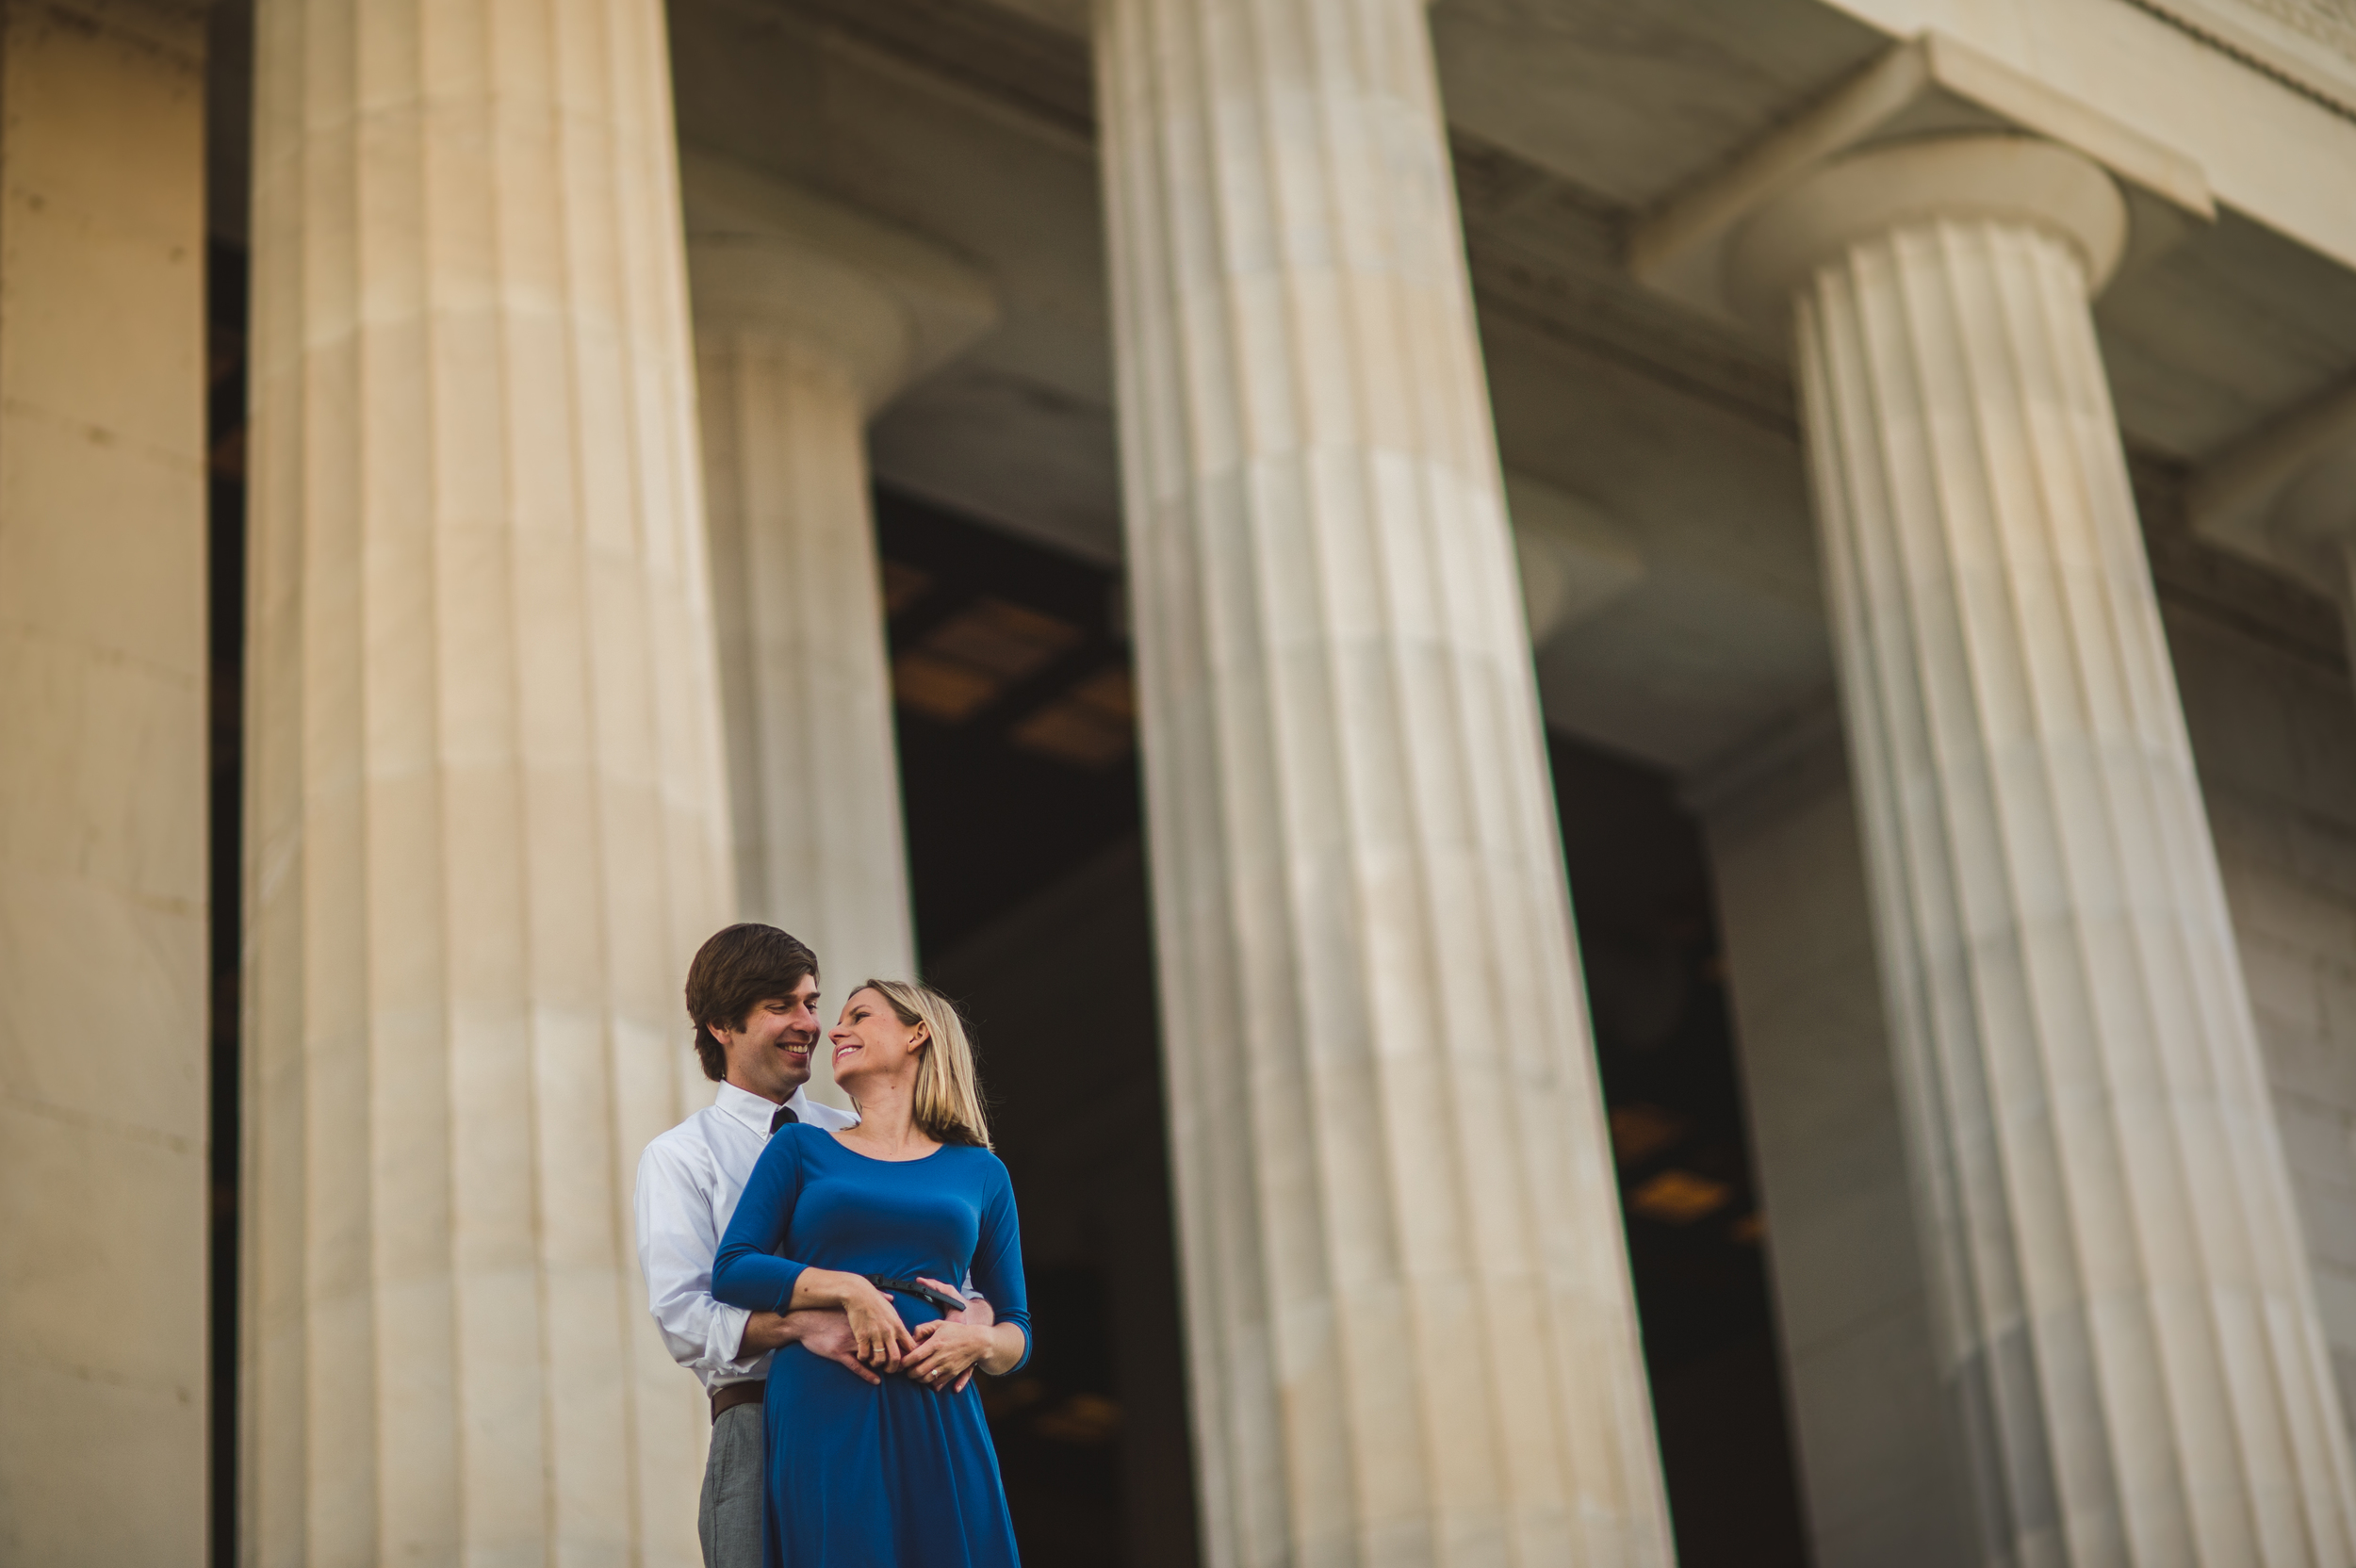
(870,1039)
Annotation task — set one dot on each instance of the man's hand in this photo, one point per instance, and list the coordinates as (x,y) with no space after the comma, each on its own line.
(977,1310)
(824,1334)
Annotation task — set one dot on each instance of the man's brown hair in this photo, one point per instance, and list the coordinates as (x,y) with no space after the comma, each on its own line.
(735,971)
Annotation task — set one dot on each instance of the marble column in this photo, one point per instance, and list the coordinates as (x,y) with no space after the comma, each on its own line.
(2122,1303)
(1411,1334)
(102,1009)
(808,316)
(486,817)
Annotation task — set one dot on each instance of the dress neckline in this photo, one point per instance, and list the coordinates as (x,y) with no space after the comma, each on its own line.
(836,1134)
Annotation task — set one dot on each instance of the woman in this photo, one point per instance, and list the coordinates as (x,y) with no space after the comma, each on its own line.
(870,1219)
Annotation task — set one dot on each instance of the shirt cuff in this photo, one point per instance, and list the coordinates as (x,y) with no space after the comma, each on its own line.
(725,1350)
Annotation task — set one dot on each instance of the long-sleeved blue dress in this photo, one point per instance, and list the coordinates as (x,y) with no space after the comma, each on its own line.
(859,1475)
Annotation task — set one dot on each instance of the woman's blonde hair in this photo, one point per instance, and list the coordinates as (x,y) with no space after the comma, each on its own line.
(948,1098)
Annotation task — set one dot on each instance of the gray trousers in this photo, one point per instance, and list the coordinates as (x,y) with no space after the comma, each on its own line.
(728,1520)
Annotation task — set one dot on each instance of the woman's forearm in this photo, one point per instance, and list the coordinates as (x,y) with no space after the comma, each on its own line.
(829,1289)
(1007,1345)
(744,1276)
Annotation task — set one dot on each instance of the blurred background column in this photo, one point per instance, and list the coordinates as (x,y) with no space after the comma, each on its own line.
(487,813)
(1410,1327)
(2121,1293)
(808,316)
(103,1176)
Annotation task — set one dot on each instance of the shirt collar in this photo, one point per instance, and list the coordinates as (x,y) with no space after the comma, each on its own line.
(751,1109)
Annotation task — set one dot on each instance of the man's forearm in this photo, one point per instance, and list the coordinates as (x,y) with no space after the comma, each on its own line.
(765,1332)
(804,1323)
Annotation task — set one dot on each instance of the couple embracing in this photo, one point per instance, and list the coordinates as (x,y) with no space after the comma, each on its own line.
(836,1279)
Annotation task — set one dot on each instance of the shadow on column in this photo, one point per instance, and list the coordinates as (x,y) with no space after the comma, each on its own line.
(1016,755)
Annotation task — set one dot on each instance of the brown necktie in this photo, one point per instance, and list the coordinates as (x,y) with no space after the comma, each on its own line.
(785,1114)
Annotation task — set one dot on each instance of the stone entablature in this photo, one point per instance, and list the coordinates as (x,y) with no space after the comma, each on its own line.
(2279,37)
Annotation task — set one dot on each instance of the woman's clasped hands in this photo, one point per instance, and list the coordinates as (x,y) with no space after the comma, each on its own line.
(938,1355)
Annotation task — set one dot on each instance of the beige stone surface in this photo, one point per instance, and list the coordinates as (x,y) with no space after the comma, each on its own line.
(103,1022)
(487,812)
(2270,150)
(2123,1305)
(1409,1316)
(1737,241)
(809,318)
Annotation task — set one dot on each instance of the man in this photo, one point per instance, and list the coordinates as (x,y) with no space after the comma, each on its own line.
(752,995)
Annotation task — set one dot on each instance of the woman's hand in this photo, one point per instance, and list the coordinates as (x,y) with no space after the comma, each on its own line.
(975,1311)
(879,1339)
(883,1342)
(947,1352)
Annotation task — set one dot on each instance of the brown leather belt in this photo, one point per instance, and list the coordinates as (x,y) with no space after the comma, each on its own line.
(728,1396)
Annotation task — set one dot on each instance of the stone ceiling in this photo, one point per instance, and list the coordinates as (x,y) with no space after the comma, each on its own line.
(971,122)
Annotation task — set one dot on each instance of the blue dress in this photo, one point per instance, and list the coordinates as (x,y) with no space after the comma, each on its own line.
(867,1475)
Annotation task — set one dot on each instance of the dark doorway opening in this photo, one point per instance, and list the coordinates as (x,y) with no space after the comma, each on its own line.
(1664,1038)
(1019,774)
(1023,817)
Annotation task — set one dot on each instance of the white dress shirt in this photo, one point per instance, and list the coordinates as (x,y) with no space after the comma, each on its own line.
(689,1181)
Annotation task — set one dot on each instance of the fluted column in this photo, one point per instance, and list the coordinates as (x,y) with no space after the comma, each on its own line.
(2123,1311)
(486,820)
(809,318)
(1410,1336)
(103,883)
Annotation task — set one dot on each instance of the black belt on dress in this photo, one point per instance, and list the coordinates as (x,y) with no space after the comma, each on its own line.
(939,1301)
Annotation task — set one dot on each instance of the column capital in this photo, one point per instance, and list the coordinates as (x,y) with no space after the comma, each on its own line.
(2013,179)
(769,255)
(1985,136)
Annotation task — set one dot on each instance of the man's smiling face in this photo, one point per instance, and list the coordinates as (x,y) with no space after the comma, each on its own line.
(769,1053)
